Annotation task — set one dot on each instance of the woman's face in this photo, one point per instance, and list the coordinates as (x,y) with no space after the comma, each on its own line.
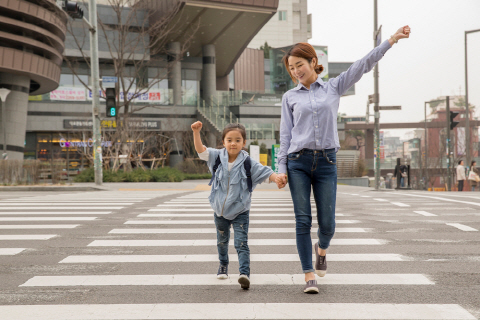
(302,70)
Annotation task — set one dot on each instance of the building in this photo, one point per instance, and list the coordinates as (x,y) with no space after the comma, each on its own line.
(31,46)
(291,24)
(59,122)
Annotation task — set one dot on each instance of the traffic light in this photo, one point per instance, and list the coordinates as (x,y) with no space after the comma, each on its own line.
(452,123)
(111,102)
(72,9)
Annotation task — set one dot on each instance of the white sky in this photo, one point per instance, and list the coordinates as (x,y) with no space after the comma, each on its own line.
(429,64)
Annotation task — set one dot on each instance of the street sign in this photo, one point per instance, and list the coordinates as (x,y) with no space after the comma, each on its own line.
(372,98)
(390,107)
(109,82)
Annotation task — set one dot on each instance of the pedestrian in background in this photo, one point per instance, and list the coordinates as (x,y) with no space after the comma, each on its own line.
(234,176)
(473,176)
(460,175)
(309,143)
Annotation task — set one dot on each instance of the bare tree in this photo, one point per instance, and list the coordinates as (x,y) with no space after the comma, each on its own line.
(135,36)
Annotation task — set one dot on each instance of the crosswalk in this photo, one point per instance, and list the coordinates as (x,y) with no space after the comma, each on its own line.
(173,245)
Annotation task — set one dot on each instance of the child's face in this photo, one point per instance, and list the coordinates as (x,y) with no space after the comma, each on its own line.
(234,142)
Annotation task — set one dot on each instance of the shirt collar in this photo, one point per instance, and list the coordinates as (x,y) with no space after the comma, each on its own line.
(300,86)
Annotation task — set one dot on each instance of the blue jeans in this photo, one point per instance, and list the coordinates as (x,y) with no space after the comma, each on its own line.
(317,169)
(240,228)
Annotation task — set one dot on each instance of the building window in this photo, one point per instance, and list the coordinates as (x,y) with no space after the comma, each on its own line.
(282,15)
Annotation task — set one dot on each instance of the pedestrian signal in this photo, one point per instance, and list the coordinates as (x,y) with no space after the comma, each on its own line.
(452,123)
(110,96)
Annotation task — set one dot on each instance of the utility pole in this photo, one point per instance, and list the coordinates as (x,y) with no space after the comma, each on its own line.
(467,109)
(75,12)
(376,103)
(97,137)
(448,147)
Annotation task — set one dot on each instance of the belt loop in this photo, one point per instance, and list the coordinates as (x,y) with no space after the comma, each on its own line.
(323,150)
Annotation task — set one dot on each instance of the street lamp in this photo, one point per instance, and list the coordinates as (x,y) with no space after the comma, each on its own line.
(467,116)
(3,97)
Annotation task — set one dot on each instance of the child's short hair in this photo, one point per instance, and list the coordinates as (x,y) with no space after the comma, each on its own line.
(234,126)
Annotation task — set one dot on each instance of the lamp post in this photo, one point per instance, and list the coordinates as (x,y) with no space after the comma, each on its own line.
(3,97)
(467,111)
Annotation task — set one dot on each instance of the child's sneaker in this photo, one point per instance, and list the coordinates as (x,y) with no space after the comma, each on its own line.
(244,281)
(222,272)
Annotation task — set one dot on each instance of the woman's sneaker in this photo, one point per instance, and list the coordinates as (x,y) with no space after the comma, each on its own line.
(320,263)
(222,272)
(311,287)
(244,281)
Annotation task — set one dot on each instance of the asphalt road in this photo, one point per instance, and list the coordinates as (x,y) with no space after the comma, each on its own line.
(148,251)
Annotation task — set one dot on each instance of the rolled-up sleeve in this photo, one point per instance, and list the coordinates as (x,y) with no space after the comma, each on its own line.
(348,78)
(286,126)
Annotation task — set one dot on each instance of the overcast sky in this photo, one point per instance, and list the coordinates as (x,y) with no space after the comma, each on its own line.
(429,64)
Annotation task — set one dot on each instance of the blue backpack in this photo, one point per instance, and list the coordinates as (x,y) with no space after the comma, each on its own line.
(246,164)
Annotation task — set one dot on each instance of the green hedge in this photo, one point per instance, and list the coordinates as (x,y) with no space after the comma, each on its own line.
(140,175)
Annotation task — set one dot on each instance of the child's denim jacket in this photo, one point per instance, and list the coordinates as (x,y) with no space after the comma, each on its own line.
(229,196)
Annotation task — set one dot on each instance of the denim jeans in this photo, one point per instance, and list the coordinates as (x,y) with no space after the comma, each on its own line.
(306,169)
(240,228)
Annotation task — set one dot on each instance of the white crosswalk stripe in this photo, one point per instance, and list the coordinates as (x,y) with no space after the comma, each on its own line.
(213,230)
(210,221)
(213,243)
(211,280)
(260,311)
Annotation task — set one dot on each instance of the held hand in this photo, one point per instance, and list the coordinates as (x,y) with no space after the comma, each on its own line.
(197,126)
(402,33)
(281,180)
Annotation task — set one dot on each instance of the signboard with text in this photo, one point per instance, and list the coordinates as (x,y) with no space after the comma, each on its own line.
(275,151)
(87,124)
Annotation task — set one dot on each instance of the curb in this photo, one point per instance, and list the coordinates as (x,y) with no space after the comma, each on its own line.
(55,188)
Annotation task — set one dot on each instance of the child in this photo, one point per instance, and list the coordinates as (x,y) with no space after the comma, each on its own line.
(231,193)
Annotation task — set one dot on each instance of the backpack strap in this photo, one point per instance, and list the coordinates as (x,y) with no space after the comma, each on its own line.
(248,166)
(214,169)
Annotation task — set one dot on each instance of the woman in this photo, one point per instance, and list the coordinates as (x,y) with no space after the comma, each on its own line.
(473,181)
(309,142)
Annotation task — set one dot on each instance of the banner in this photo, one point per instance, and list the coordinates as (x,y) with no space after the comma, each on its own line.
(275,151)
(68,94)
(157,96)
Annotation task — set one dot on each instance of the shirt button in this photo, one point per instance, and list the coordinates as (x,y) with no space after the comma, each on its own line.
(316,126)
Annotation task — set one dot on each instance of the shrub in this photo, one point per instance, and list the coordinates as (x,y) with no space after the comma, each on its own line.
(137,175)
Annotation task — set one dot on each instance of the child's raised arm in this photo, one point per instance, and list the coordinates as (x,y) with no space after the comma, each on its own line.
(196,127)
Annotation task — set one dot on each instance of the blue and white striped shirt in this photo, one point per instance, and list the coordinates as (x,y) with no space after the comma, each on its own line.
(309,117)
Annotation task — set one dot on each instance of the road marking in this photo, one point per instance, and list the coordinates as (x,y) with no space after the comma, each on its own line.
(208,205)
(426,214)
(62,208)
(214,231)
(400,204)
(461,227)
(379,199)
(47,218)
(214,258)
(54,203)
(10,251)
(365,196)
(38,226)
(53,212)
(210,221)
(193,215)
(213,243)
(211,210)
(439,198)
(211,280)
(259,311)
(27,236)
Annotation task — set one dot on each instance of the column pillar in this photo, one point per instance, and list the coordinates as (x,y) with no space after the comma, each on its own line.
(369,149)
(175,71)
(209,74)
(176,155)
(211,140)
(15,108)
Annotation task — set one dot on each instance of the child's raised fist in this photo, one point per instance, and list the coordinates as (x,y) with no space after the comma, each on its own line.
(197,126)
